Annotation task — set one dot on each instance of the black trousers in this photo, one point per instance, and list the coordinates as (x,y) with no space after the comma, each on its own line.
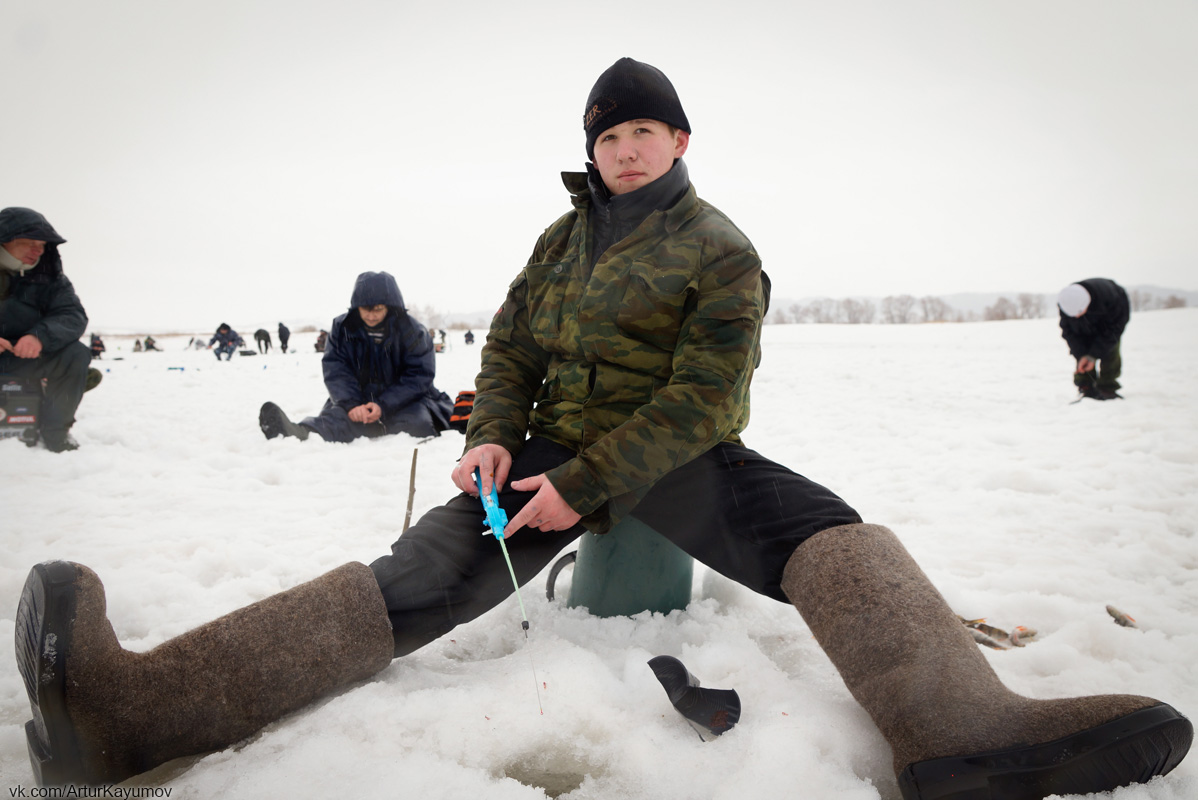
(731,509)
(66,378)
(1105,374)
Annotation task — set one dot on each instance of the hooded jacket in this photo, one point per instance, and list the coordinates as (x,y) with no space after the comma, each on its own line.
(1096,332)
(394,373)
(39,300)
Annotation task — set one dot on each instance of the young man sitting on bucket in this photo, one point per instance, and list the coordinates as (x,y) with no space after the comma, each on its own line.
(614,383)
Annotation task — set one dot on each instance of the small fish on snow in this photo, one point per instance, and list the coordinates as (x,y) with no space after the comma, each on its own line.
(997,634)
(1022,635)
(982,638)
(1121,618)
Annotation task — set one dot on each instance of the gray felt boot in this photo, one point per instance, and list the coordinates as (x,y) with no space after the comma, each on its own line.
(102,714)
(956,731)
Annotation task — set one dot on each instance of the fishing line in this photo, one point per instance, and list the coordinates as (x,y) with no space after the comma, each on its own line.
(497,521)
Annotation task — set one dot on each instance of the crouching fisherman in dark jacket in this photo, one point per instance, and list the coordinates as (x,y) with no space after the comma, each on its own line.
(226,340)
(1094,313)
(378,367)
(41,320)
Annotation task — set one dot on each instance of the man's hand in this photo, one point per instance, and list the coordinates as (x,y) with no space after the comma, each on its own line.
(492,462)
(5,345)
(1085,363)
(28,346)
(366,413)
(546,510)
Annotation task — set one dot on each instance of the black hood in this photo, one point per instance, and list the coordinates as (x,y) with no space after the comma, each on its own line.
(25,223)
(376,288)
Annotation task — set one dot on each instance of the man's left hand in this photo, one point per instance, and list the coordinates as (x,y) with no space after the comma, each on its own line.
(28,346)
(1085,363)
(546,510)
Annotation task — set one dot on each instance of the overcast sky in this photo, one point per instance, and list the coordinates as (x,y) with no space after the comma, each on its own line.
(243,160)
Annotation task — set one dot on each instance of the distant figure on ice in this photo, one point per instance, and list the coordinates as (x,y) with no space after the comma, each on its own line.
(226,341)
(469,337)
(151,344)
(1094,313)
(284,337)
(379,370)
(262,337)
(137,345)
(41,322)
(614,384)
(97,346)
(322,339)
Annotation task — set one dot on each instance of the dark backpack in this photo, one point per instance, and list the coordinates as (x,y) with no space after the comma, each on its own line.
(462,407)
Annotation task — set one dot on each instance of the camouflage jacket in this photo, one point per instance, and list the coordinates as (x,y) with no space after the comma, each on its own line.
(639,365)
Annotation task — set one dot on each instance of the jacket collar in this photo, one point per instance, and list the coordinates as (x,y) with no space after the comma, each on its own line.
(10,263)
(672,193)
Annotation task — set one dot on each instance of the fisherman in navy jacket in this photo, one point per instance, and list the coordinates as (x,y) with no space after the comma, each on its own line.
(378,368)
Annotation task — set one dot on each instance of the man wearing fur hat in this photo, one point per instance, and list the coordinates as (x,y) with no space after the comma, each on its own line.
(614,383)
(1094,313)
(41,321)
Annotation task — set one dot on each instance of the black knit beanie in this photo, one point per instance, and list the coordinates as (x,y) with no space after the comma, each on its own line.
(631,90)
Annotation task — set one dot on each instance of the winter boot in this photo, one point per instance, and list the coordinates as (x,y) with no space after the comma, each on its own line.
(102,714)
(59,441)
(955,730)
(94,376)
(274,422)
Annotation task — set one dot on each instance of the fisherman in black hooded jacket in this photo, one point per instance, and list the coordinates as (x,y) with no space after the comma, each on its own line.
(379,367)
(41,321)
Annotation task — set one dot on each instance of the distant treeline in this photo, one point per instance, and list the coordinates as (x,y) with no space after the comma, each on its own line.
(904,309)
(437,320)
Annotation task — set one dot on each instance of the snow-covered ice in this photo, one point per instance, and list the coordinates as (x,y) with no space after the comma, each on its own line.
(1022,508)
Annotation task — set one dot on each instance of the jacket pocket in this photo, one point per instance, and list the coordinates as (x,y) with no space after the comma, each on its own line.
(551,389)
(654,303)
(547,291)
(504,321)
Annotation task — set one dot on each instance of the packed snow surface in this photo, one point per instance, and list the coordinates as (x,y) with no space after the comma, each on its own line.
(1022,508)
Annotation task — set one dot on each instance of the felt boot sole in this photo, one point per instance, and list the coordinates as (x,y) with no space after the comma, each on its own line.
(43,637)
(274,423)
(1131,749)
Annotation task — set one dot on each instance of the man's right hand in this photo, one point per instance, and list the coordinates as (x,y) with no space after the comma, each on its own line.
(5,345)
(493,463)
(28,346)
(1085,363)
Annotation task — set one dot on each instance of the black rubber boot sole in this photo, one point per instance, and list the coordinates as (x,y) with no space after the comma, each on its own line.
(1131,749)
(45,617)
(711,712)
(274,422)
